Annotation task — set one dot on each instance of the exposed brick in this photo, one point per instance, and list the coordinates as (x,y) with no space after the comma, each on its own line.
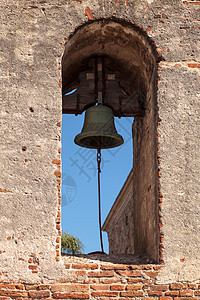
(191,2)
(71,295)
(100,287)
(13,293)
(117,287)
(132,294)
(113,267)
(192,285)
(12,286)
(148,298)
(159,287)
(4,191)
(194,65)
(161,240)
(100,273)
(67,266)
(155,293)
(105,298)
(139,267)
(59,188)
(186,293)
(58,226)
(31,287)
(130,273)
(197,293)
(89,13)
(103,293)
(136,280)
(172,293)
(57,173)
(39,294)
(151,274)
(177,286)
(149,28)
(32,267)
(70,288)
(110,280)
(57,219)
(186,298)
(44,286)
(59,180)
(177,65)
(85,266)
(134,287)
(56,161)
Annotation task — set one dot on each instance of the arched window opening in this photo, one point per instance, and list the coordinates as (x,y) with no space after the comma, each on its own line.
(129,67)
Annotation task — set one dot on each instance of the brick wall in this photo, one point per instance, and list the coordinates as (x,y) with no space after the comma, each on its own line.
(103,281)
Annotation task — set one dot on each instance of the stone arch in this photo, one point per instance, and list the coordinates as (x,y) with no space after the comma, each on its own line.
(130,54)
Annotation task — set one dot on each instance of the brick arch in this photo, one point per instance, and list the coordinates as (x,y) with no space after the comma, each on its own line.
(128,48)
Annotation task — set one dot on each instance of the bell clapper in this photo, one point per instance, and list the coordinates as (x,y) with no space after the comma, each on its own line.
(99,193)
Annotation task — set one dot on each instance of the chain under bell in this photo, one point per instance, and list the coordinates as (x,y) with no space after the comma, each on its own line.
(99,129)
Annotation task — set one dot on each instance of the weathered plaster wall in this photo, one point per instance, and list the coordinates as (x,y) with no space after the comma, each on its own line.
(30,111)
(179,155)
(32,36)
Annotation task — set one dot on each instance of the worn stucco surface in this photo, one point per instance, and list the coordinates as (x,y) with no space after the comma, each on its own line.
(179,130)
(32,34)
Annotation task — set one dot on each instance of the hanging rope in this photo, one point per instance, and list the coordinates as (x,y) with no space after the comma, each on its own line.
(99,194)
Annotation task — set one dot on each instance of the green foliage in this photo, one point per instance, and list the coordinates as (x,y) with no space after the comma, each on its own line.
(71,244)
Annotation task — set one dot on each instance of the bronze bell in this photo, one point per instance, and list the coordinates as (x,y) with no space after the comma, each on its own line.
(99,129)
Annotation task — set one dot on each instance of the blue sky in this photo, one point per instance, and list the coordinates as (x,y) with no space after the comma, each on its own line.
(79,185)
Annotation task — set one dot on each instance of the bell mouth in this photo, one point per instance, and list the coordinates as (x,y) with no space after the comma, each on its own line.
(99,141)
(99,129)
